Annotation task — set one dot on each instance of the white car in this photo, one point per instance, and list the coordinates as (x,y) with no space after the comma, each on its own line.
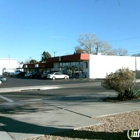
(57,75)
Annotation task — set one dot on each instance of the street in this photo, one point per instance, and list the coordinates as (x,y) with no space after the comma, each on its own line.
(21,82)
(70,91)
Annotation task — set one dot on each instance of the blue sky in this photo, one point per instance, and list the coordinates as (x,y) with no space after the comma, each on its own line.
(29,27)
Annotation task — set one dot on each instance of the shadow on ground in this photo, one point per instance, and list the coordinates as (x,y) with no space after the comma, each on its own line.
(25,108)
(78,98)
(81,134)
(14,126)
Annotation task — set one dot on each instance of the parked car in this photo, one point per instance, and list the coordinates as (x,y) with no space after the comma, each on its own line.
(44,75)
(2,79)
(21,73)
(5,73)
(29,74)
(11,74)
(57,75)
(36,75)
(17,72)
(14,73)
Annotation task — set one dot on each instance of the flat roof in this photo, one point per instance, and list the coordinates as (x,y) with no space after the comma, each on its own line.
(65,58)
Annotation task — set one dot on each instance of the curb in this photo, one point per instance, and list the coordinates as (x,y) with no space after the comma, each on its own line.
(17,89)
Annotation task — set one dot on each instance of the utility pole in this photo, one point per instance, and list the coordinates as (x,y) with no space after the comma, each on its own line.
(97,48)
(54,53)
(135,63)
(9,58)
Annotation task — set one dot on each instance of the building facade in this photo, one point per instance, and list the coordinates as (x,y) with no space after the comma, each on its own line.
(101,65)
(86,65)
(8,65)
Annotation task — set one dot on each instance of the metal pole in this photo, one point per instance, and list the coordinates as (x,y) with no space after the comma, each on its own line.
(54,53)
(135,63)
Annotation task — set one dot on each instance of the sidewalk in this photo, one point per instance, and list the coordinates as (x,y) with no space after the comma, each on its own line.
(46,116)
(37,117)
(45,121)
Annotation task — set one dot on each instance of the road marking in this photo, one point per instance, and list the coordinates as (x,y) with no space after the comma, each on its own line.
(7,99)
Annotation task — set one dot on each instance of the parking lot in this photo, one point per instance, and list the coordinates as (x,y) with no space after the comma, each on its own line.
(21,82)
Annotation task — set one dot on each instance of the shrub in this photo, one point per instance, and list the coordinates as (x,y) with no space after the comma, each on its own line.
(122,81)
(132,93)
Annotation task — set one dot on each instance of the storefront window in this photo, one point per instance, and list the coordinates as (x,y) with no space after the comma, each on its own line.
(69,64)
(64,65)
(86,64)
(77,64)
(72,63)
(81,63)
(73,69)
(61,64)
(81,66)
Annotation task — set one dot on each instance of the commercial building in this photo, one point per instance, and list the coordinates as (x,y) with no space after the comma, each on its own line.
(86,65)
(9,65)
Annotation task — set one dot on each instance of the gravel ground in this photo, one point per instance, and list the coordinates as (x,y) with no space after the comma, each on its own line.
(114,127)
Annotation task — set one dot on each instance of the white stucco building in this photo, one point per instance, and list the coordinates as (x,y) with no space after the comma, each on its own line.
(87,65)
(99,65)
(8,65)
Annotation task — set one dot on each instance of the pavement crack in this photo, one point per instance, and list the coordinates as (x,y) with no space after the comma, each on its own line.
(78,113)
(6,132)
(70,111)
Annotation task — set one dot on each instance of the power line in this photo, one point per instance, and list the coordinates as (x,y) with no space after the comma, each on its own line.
(124,39)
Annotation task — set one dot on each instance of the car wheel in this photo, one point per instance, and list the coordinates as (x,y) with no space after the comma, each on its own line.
(0,82)
(53,78)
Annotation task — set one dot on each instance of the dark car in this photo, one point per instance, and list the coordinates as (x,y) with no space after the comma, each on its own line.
(2,79)
(36,75)
(29,74)
(21,74)
(44,75)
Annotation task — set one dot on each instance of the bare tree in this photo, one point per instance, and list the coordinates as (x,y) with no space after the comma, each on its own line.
(88,42)
(78,50)
(102,47)
(92,45)
(136,55)
(119,52)
(30,61)
(27,61)
(33,61)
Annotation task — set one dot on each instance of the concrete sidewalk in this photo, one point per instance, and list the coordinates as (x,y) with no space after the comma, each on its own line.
(45,120)
(45,116)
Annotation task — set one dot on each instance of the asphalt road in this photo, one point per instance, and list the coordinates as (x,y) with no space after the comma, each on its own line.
(72,90)
(55,93)
(22,82)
